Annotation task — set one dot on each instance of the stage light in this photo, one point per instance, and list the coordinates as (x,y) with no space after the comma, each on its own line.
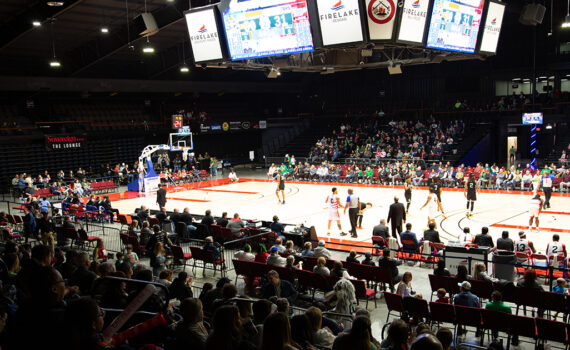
(55,3)
(36,23)
(148,47)
(54,63)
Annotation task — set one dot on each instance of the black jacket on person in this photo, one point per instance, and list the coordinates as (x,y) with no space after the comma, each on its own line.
(505,244)
(432,236)
(391,264)
(397,213)
(381,231)
(161,197)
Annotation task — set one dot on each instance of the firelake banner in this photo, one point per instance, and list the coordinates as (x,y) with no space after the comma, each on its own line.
(63,142)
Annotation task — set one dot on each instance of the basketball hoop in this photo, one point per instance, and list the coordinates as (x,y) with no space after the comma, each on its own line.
(185,154)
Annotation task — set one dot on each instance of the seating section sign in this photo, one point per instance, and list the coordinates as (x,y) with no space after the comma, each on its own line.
(64,142)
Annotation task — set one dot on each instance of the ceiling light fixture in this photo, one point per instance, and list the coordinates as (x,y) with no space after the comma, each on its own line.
(184,68)
(36,23)
(54,62)
(104,30)
(55,3)
(147,48)
(566,23)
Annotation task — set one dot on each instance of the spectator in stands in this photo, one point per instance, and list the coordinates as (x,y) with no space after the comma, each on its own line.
(445,336)
(321,267)
(497,304)
(290,263)
(277,227)
(357,338)
(227,332)
(82,277)
(320,250)
(431,235)
(440,270)
(388,263)
(100,253)
(277,333)
(484,239)
(398,335)
(275,259)
(208,219)
(426,341)
(462,274)
(505,243)
(143,214)
(236,225)
(300,332)
(465,297)
(181,287)
(339,271)
(210,246)
(145,233)
(409,239)
(245,254)
(84,321)
(190,333)
(158,236)
(279,288)
(163,216)
(30,229)
(405,286)
(321,337)
(29,191)
(106,204)
(368,259)
(261,254)
(233,176)
(526,179)
(223,221)
(480,273)
(351,258)
(565,181)
(70,265)
(158,259)
(381,230)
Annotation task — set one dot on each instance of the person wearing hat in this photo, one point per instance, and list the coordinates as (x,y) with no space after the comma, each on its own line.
(321,250)
(368,259)
(275,259)
(465,297)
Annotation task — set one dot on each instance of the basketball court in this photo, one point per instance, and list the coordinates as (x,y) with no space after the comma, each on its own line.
(305,204)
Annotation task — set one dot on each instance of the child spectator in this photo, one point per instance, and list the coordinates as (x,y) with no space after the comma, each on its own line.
(441,298)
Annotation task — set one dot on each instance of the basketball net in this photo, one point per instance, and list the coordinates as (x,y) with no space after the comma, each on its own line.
(185,154)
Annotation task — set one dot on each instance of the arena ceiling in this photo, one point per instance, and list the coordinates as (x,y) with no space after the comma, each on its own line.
(86,52)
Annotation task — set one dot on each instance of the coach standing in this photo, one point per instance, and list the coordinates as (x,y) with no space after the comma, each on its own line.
(397,216)
(161,196)
(353,206)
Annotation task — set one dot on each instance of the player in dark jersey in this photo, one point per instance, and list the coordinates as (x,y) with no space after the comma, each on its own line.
(408,192)
(471,188)
(280,188)
(435,187)
(363,207)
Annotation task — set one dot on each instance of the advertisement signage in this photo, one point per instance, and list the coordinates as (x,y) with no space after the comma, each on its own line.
(492,28)
(381,16)
(532,118)
(63,142)
(340,21)
(413,21)
(204,35)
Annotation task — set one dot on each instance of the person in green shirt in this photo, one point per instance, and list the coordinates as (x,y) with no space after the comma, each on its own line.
(497,304)
(512,154)
(369,175)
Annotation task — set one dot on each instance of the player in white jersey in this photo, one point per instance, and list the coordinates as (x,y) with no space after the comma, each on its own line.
(555,247)
(534,208)
(465,236)
(523,245)
(433,204)
(333,204)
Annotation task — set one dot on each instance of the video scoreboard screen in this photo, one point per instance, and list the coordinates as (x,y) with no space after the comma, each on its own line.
(261,28)
(532,118)
(454,25)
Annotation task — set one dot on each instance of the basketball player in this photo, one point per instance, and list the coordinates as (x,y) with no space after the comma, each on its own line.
(471,188)
(435,187)
(363,207)
(534,209)
(333,203)
(523,245)
(555,247)
(280,188)
(408,186)
(433,206)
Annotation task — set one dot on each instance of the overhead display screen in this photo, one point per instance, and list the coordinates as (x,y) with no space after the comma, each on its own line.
(340,21)
(260,28)
(381,16)
(492,28)
(413,21)
(532,118)
(455,24)
(204,36)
